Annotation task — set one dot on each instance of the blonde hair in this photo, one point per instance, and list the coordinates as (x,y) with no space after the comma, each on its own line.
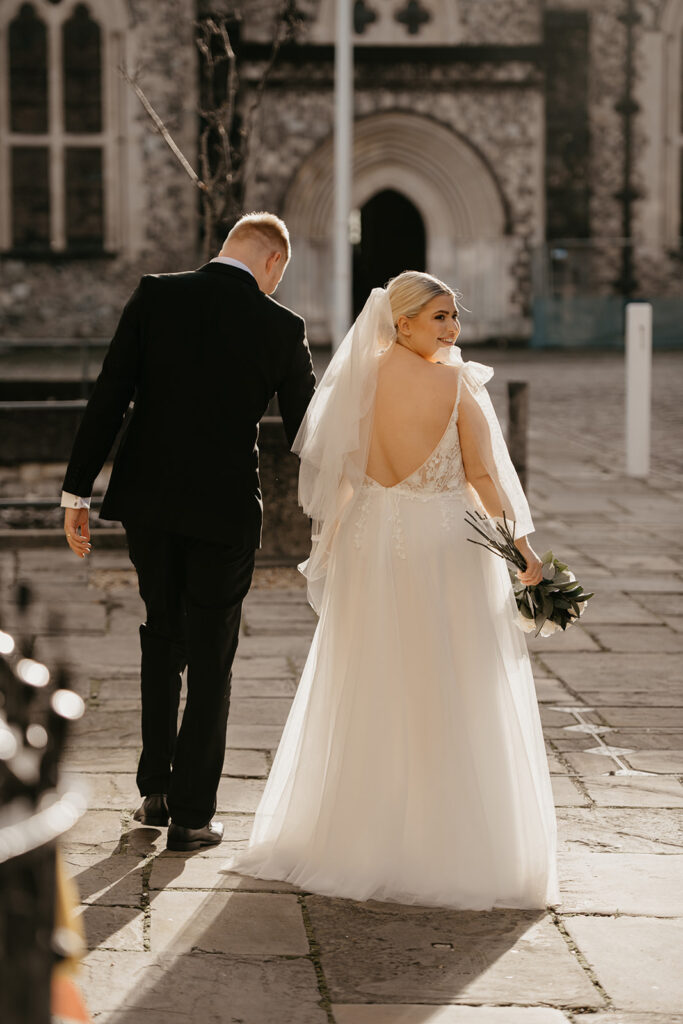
(413,289)
(265,228)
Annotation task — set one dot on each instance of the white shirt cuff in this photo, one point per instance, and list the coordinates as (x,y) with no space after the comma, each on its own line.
(74,501)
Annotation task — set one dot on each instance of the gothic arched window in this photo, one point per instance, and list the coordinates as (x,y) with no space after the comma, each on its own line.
(58,137)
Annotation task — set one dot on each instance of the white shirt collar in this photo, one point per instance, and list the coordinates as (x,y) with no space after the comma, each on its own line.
(232,263)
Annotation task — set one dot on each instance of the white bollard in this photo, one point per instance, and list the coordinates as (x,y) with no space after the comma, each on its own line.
(638,387)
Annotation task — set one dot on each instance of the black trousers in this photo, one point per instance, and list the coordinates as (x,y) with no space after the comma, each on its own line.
(193,592)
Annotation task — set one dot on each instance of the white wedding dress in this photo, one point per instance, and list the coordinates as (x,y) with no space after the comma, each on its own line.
(412,766)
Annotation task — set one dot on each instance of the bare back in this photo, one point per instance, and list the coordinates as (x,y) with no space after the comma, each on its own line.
(413,406)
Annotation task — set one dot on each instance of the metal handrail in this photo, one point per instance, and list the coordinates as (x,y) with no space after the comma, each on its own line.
(42,405)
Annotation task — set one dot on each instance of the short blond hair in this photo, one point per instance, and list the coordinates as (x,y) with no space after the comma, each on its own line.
(412,290)
(264,227)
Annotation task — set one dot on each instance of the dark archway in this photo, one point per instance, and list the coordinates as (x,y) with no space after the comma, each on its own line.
(392,239)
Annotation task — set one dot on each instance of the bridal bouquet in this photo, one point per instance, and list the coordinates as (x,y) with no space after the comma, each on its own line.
(554,603)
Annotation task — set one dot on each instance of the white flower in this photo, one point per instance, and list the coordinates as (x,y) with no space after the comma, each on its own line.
(549,627)
(526,625)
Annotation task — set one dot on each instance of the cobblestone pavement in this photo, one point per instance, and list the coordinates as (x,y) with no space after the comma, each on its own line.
(173,938)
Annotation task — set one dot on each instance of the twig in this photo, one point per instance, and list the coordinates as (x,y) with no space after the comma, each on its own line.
(163,130)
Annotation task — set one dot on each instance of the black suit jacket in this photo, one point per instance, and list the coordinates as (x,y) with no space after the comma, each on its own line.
(202,353)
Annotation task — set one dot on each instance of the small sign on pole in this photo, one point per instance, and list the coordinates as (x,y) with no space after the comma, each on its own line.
(638,387)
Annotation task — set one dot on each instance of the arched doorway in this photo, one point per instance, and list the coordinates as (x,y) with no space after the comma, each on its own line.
(453,191)
(392,239)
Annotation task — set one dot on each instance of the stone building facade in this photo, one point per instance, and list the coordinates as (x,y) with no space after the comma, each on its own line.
(492,138)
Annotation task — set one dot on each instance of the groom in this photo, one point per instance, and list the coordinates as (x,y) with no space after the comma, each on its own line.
(202,353)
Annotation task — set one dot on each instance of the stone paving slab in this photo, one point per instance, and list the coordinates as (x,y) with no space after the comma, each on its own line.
(273,666)
(254,737)
(242,794)
(620,830)
(138,988)
(113,928)
(262,687)
(622,883)
(109,728)
(643,639)
(629,1018)
(662,604)
(623,560)
(635,791)
(622,610)
(206,873)
(650,678)
(107,655)
(663,583)
(664,761)
(284,646)
(374,952)
(258,924)
(550,690)
(363,1013)
(576,638)
(259,710)
(79,759)
(636,959)
(638,738)
(567,794)
(42,620)
(669,717)
(660,762)
(115,880)
(96,832)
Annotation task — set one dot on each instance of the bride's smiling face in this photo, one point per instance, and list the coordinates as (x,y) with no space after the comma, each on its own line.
(436,326)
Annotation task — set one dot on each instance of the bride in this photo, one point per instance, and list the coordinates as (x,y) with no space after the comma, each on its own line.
(412,766)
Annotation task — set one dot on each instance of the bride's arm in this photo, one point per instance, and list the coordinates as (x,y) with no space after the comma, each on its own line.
(474,436)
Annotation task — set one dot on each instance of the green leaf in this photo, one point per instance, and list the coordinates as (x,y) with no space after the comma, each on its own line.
(540,622)
(547,557)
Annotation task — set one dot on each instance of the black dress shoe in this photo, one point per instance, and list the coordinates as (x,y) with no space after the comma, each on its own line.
(181,838)
(153,810)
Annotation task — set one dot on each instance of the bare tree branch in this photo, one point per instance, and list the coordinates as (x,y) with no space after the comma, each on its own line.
(162,129)
(224,146)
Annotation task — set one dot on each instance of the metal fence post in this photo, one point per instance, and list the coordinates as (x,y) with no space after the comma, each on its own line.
(518,421)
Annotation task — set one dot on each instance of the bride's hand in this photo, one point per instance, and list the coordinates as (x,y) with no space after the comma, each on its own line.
(533,573)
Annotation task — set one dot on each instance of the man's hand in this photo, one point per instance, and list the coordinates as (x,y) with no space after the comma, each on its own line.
(77,530)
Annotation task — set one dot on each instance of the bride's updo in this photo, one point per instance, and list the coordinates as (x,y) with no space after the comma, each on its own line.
(413,289)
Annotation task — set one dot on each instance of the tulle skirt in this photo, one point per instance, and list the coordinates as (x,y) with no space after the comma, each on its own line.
(412,766)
